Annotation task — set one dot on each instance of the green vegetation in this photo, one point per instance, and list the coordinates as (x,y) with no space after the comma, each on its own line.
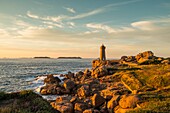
(24,102)
(155,89)
(155,76)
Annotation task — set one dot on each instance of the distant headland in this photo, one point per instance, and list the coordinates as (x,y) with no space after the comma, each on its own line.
(42,57)
(69,58)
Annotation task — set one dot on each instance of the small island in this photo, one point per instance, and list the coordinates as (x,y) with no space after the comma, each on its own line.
(42,57)
(69,58)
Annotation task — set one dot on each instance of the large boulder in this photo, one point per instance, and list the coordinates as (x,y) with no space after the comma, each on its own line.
(129,101)
(107,93)
(70,75)
(83,91)
(80,107)
(98,63)
(130,58)
(97,100)
(88,111)
(61,90)
(53,89)
(69,84)
(99,72)
(73,99)
(43,91)
(118,109)
(49,89)
(131,82)
(87,72)
(52,80)
(166,61)
(113,103)
(145,55)
(123,58)
(63,99)
(63,107)
(78,76)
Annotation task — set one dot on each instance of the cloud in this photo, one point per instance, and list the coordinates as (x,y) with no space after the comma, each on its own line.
(101,9)
(29,14)
(71,10)
(133,39)
(121,3)
(57,19)
(83,15)
(107,28)
(144,25)
(100,26)
(53,24)
(64,17)
(22,23)
(90,32)
(123,40)
(60,18)
(71,24)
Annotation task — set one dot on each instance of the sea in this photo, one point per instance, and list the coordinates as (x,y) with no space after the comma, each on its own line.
(29,73)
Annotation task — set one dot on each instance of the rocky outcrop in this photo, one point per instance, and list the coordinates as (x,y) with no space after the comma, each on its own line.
(145,55)
(63,104)
(113,103)
(97,100)
(87,72)
(99,72)
(69,84)
(62,99)
(98,63)
(70,75)
(63,107)
(80,107)
(166,61)
(48,89)
(83,91)
(129,101)
(131,82)
(53,86)
(106,88)
(144,58)
(107,93)
(88,111)
(52,80)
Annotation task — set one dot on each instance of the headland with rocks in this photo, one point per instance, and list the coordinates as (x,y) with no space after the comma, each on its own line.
(131,84)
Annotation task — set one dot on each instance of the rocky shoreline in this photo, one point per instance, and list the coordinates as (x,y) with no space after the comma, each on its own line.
(111,86)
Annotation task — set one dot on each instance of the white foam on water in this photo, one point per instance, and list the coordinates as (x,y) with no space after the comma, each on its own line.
(39,83)
(39,79)
(49,97)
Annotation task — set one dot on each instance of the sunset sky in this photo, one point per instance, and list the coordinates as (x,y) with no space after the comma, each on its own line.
(56,28)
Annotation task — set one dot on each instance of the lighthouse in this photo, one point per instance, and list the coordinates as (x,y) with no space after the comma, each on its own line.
(102,53)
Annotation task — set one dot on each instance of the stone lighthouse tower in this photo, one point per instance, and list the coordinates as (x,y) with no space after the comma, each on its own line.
(102,53)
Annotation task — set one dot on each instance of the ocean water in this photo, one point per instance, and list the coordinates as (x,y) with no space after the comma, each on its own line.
(22,74)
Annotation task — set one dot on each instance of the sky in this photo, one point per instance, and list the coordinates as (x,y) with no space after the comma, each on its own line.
(56,28)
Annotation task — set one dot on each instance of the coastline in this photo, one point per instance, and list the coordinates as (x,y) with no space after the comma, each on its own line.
(113,86)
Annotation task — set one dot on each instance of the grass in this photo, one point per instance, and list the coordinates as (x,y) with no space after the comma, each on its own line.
(24,102)
(156,77)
